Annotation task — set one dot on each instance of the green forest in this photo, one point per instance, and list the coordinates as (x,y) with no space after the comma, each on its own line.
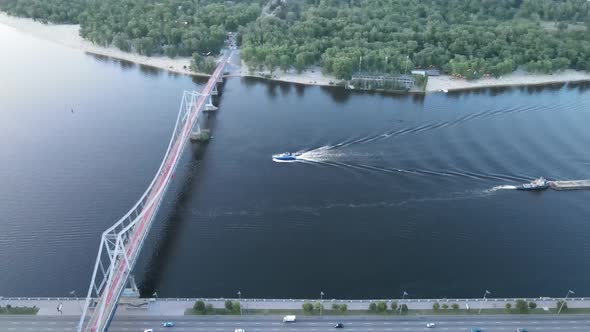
(148,27)
(466,38)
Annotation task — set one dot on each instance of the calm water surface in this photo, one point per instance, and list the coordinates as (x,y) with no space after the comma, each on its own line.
(398,193)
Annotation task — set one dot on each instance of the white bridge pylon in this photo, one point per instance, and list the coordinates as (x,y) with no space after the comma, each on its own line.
(121,243)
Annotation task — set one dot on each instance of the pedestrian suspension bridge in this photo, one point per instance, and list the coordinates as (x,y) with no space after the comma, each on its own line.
(121,244)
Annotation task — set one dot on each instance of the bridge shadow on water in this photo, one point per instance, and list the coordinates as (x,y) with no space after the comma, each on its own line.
(151,274)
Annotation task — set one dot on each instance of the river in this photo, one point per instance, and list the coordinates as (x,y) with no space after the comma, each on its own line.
(398,193)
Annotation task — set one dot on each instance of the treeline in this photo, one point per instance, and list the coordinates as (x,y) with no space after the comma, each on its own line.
(54,11)
(169,27)
(468,38)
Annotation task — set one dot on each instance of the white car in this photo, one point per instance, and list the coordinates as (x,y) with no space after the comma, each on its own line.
(148,330)
(239,330)
(430,325)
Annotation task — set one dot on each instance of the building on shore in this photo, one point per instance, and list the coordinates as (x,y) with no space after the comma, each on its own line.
(360,81)
(426,72)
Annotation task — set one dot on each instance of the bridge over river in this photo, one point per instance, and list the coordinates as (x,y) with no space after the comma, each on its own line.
(121,243)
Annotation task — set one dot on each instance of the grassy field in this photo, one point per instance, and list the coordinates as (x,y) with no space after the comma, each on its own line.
(8,310)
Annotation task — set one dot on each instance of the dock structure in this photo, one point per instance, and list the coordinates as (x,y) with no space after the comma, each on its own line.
(362,81)
(570,185)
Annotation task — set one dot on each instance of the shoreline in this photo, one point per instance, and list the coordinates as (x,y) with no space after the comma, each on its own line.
(515,79)
(67,35)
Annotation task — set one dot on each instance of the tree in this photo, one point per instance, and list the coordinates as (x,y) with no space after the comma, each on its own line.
(318,307)
(335,306)
(236,306)
(272,62)
(285,62)
(394,306)
(343,307)
(208,307)
(404,308)
(196,62)
(381,306)
(229,305)
(532,305)
(299,62)
(436,306)
(199,306)
(373,306)
(445,306)
(307,307)
(455,306)
(559,305)
(209,65)
(342,68)
(121,42)
(522,306)
(508,306)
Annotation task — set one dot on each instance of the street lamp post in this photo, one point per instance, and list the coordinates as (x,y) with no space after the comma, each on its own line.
(407,59)
(403,298)
(73,292)
(240,301)
(321,302)
(562,303)
(484,299)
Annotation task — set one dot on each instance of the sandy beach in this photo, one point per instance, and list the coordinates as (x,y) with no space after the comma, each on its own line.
(437,83)
(310,76)
(67,35)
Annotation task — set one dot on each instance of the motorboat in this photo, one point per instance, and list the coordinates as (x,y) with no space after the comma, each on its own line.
(538,184)
(286,156)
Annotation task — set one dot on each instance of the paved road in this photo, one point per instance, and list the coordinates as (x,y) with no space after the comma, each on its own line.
(273,323)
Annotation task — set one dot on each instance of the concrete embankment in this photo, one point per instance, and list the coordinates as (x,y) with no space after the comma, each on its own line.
(178,306)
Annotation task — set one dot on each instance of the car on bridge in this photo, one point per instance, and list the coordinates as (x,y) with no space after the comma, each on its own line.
(168,324)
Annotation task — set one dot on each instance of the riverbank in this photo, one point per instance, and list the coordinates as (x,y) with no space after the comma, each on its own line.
(68,35)
(310,76)
(518,78)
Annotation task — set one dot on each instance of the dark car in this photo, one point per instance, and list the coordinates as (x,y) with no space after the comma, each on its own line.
(338,326)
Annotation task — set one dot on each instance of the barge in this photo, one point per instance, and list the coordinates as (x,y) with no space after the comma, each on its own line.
(570,185)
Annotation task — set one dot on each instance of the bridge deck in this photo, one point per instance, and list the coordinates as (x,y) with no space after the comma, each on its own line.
(106,303)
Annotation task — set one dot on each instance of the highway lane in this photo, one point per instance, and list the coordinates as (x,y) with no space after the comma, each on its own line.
(539,323)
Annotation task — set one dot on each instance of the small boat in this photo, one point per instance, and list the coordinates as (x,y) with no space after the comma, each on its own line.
(287,156)
(538,184)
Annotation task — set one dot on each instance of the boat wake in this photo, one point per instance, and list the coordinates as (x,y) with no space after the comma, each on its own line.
(496,188)
(287,161)
(442,124)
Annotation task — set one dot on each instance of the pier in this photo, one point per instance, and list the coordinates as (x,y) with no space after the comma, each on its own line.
(570,185)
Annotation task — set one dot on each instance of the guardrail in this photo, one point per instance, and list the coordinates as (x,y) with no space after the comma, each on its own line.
(489,299)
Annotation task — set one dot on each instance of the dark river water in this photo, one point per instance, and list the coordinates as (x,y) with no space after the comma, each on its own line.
(398,193)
